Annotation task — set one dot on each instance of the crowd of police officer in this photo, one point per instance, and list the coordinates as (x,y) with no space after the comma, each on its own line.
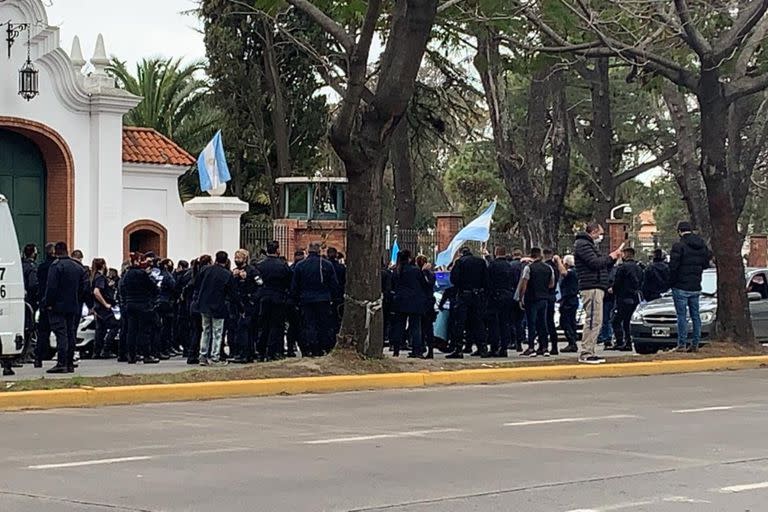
(496,304)
(262,309)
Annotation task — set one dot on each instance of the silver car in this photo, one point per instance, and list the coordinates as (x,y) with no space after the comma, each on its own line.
(654,324)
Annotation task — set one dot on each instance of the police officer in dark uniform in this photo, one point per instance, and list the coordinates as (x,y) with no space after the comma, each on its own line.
(313,283)
(66,286)
(470,278)
(181,277)
(273,299)
(338,295)
(31,294)
(43,326)
(294,315)
(502,297)
(517,314)
(245,307)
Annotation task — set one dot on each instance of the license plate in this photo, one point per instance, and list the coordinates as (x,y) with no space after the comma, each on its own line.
(660,332)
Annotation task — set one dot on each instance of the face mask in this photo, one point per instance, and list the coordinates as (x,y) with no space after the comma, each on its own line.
(599,239)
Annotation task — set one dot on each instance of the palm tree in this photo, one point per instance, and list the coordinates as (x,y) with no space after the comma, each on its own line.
(176,101)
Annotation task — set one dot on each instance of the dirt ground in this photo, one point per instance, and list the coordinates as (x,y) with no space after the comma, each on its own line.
(346,363)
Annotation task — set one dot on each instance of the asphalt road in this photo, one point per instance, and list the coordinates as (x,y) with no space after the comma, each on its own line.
(695,442)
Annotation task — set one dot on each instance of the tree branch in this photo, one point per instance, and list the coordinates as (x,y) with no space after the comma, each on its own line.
(746,21)
(447,5)
(647,166)
(358,65)
(326,23)
(745,86)
(697,41)
(750,47)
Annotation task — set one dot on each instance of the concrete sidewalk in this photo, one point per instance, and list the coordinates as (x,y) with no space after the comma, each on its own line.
(101,368)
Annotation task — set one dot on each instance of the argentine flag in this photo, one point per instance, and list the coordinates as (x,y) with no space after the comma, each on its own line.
(479,230)
(393,253)
(212,165)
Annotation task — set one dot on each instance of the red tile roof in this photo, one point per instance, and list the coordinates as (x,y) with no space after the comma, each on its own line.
(148,146)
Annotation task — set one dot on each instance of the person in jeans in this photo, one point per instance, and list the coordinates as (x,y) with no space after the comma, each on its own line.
(687,261)
(592,269)
(215,290)
(536,286)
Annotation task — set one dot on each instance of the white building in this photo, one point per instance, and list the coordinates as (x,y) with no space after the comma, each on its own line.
(73,172)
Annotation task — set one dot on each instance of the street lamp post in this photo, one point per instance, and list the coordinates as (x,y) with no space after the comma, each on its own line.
(626,209)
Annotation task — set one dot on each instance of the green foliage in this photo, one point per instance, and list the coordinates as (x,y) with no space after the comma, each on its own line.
(472,179)
(176,102)
(235,46)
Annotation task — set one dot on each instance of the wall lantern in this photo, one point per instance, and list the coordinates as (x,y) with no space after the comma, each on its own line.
(28,88)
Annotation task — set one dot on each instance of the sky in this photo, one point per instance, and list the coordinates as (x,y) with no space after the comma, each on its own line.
(132,29)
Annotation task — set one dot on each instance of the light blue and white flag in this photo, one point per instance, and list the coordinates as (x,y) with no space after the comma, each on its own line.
(393,253)
(479,230)
(212,165)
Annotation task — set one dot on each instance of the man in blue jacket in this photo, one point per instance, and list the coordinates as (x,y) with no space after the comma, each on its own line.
(314,281)
(216,283)
(66,286)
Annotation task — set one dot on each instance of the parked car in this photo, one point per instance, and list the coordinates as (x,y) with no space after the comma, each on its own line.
(86,334)
(654,324)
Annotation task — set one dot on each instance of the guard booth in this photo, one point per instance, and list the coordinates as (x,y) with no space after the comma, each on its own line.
(314,210)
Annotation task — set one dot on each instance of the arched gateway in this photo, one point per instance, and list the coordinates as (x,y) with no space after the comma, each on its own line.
(36,176)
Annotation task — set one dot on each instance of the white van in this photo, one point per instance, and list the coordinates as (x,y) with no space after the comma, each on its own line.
(12,306)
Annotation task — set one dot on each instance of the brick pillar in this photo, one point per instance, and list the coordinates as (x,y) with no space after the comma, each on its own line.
(448,224)
(618,233)
(758,251)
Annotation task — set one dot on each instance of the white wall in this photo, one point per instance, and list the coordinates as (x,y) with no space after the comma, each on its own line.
(151,192)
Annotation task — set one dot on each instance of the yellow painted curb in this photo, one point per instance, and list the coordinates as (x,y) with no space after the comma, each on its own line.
(122,395)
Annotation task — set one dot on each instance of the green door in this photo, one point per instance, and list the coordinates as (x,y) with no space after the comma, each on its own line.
(22,182)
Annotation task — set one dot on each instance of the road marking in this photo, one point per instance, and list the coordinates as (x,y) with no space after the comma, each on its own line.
(394,435)
(706,409)
(88,463)
(743,488)
(571,420)
(636,504)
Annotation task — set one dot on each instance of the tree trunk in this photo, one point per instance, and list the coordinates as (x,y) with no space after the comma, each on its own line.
(400,157)
(363,146)
(733,318)
(561,162)
(687,172)
(279,116)
(602,135)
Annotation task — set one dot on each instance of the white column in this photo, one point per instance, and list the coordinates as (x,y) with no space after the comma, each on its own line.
(219,222)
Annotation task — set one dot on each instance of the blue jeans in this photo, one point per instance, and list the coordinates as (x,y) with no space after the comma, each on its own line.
(685,302)
(606,329)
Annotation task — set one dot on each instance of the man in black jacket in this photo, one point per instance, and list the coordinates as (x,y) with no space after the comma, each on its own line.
(337,303)
(66,286)
(626,290)
(687,261)
(656,277)
(312,285)
(592,269)
(215,290)
(273,300)
(470,278)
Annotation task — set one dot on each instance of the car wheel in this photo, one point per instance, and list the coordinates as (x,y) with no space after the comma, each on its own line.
(646,348)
